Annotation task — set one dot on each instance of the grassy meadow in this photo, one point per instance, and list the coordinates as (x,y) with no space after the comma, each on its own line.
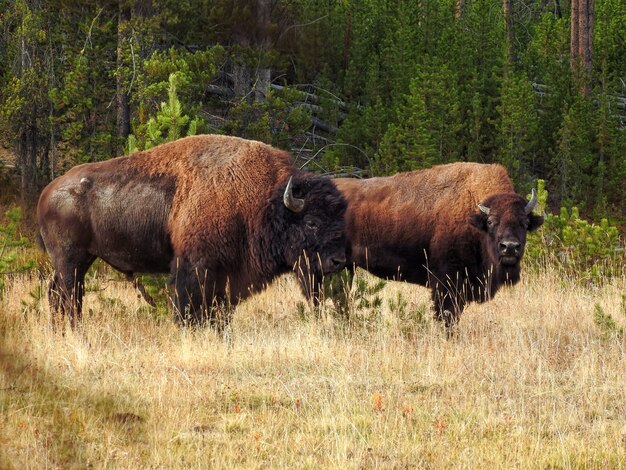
(535,378)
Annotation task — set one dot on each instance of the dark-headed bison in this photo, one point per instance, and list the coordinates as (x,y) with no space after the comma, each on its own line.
(222,215)
(459,229)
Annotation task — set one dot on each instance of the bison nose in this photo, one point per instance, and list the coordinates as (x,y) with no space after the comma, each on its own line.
(510,248)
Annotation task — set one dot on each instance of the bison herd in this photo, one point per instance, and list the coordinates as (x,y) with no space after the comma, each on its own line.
(223,216)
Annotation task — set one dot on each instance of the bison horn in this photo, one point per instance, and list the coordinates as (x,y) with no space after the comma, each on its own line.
(484,209)
(292,203)
(532,203)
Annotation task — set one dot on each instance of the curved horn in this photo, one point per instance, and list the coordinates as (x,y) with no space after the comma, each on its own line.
(484,209)
(292,203)
(532,203)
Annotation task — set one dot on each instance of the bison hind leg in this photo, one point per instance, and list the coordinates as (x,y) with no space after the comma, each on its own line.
(65,295)
(57,304)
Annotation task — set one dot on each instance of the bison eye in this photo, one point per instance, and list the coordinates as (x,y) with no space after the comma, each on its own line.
(311,224)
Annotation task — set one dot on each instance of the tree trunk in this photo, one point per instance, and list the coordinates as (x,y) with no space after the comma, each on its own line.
(581,42)
(263,74)
(121,96)
(507,7)
(27,158)
(27,144)
(459,8)
(252,81)
(585,31)
(241,80)
(573,42)
(262,84)
(347,43)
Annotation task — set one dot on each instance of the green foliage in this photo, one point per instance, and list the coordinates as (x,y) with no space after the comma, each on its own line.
(517,126)
(194,71)
(408,319)
(427,126)
(609,27)
(82,133)
(23,86)
(356,298)
(546,61)
(275,120)
(33,303)
(155,287)
(419,86)
(585,250)
(12,259)
(362,129)
(607,324)
(575,155)
(182,77)
(169,123)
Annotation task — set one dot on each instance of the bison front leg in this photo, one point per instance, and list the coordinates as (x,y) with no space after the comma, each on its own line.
(449,300)
(199,298)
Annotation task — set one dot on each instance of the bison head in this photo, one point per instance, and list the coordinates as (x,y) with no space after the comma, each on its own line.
(506,218)
(309,227)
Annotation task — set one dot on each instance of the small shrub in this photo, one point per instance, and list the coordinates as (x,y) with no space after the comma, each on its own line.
(13,257)
(356,298)
(34,301)
(408,319)
(586,250)
(606,323)
(170,123)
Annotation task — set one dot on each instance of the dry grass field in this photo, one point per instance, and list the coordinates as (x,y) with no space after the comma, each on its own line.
(529,381)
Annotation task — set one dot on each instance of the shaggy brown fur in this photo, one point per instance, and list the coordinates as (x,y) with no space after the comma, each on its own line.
(425,227)
(207,209)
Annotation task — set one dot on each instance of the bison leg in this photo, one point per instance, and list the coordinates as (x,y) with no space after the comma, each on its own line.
(199,298)
(448,308)
(66,291)
(449,299)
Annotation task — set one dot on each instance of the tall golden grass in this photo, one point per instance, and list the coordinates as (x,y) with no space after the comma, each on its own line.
(529,381)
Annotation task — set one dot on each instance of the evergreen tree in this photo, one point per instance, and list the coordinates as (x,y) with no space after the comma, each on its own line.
(427,126)
(518,128)
(24,83)
(167,125)
(575,155)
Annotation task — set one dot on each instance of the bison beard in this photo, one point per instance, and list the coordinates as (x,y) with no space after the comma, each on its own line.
(222,215)
(458,229)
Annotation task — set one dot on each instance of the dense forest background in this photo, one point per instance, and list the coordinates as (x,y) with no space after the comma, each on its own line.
(351,87)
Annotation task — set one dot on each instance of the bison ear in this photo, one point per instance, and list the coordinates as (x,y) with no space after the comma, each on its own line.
(479,221)
(534,222)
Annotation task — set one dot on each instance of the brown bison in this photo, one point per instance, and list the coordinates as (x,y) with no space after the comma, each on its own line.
(459,229)
(222,215)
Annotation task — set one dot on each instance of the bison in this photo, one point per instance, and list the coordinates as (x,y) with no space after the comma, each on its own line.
(459,229)
(222,215)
